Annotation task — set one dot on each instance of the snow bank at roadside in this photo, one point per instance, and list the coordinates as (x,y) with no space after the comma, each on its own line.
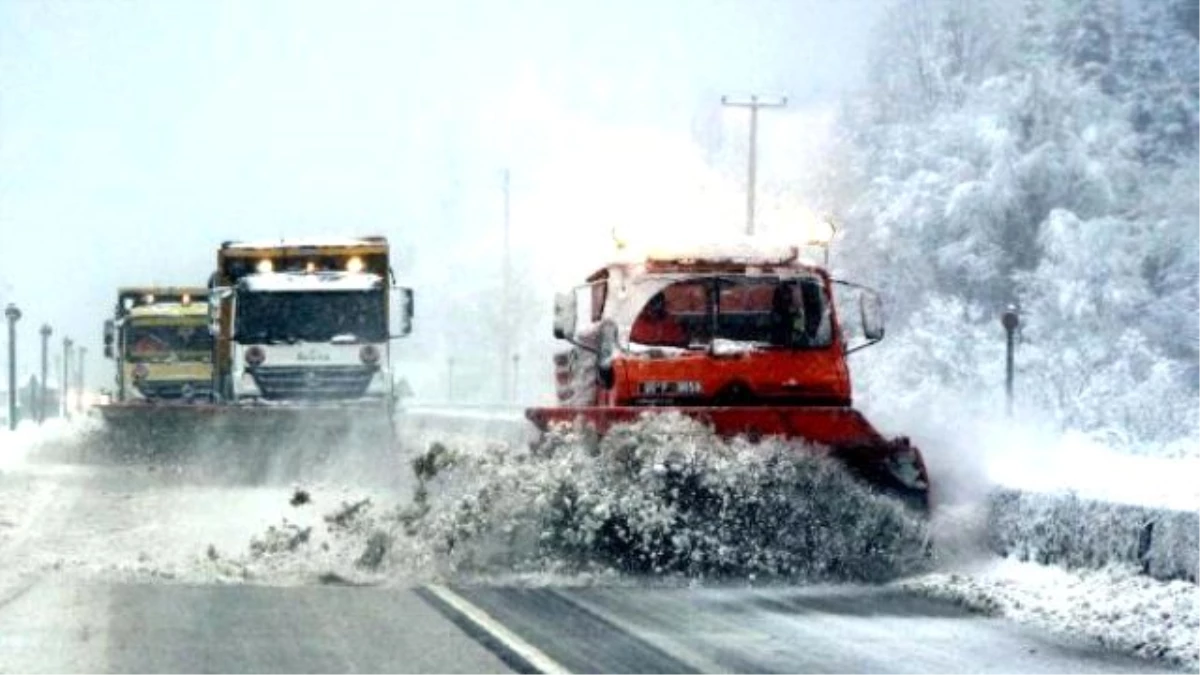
(1115,606)
(1066,530)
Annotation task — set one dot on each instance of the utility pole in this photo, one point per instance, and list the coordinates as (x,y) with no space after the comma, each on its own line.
(44,395)
(450,379)
(13,315)
(516,364)
(79,383)
(58,366)
(66,375)
(1010,320)
(753,103)
(506,300)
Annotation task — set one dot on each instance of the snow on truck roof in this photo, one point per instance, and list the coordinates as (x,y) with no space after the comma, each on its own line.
(307,242)
(743,250)
(194,291)
(744,253)
(279,282)
(170,309)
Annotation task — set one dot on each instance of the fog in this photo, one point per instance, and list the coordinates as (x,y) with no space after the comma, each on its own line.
(136,136)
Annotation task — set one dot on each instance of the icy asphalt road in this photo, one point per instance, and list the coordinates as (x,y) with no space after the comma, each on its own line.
(101,570)
(139,627)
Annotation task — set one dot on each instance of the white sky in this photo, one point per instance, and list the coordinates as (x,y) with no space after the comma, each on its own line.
(136,136)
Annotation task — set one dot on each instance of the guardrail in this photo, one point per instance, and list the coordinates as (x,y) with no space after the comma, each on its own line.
(1076,532)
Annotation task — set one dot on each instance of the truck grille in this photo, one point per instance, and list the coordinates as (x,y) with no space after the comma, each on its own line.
(174,390)
(302,382)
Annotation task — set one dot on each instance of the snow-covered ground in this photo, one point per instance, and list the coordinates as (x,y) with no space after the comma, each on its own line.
(17,444)
(107,521)
(141,524)
(24,496)
(970,453)
(1115,606)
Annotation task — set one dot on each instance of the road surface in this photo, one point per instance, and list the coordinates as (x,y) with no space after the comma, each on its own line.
(104,570)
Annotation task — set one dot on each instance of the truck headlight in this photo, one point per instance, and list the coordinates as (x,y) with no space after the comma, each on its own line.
(254,356)
(369,354)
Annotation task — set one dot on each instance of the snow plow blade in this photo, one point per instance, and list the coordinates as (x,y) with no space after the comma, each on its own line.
(249,443)
(892,466)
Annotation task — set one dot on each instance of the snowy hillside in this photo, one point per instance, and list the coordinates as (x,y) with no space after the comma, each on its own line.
(1043,155)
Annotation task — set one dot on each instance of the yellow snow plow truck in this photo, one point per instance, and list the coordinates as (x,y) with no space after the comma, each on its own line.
(159,340)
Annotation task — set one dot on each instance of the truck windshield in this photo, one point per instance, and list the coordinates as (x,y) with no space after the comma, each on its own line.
(791,313)
(311,317)
(168,343)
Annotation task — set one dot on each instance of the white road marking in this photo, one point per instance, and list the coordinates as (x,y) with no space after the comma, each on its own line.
(534,656)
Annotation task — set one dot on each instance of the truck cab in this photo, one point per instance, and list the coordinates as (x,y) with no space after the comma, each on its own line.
(306,322)
(159,339)
(709,328)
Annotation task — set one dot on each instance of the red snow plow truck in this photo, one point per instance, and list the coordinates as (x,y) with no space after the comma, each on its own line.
(747,341)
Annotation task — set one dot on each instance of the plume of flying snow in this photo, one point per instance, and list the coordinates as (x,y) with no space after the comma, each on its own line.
(659,496)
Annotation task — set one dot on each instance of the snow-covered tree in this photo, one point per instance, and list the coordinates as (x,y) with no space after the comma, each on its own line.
(1043,154)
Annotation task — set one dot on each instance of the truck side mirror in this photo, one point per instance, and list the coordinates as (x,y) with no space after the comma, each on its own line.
(214,313)
(565,310)
(402,312)
(216,296)
(110,332)
(607,349)
(871,311)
